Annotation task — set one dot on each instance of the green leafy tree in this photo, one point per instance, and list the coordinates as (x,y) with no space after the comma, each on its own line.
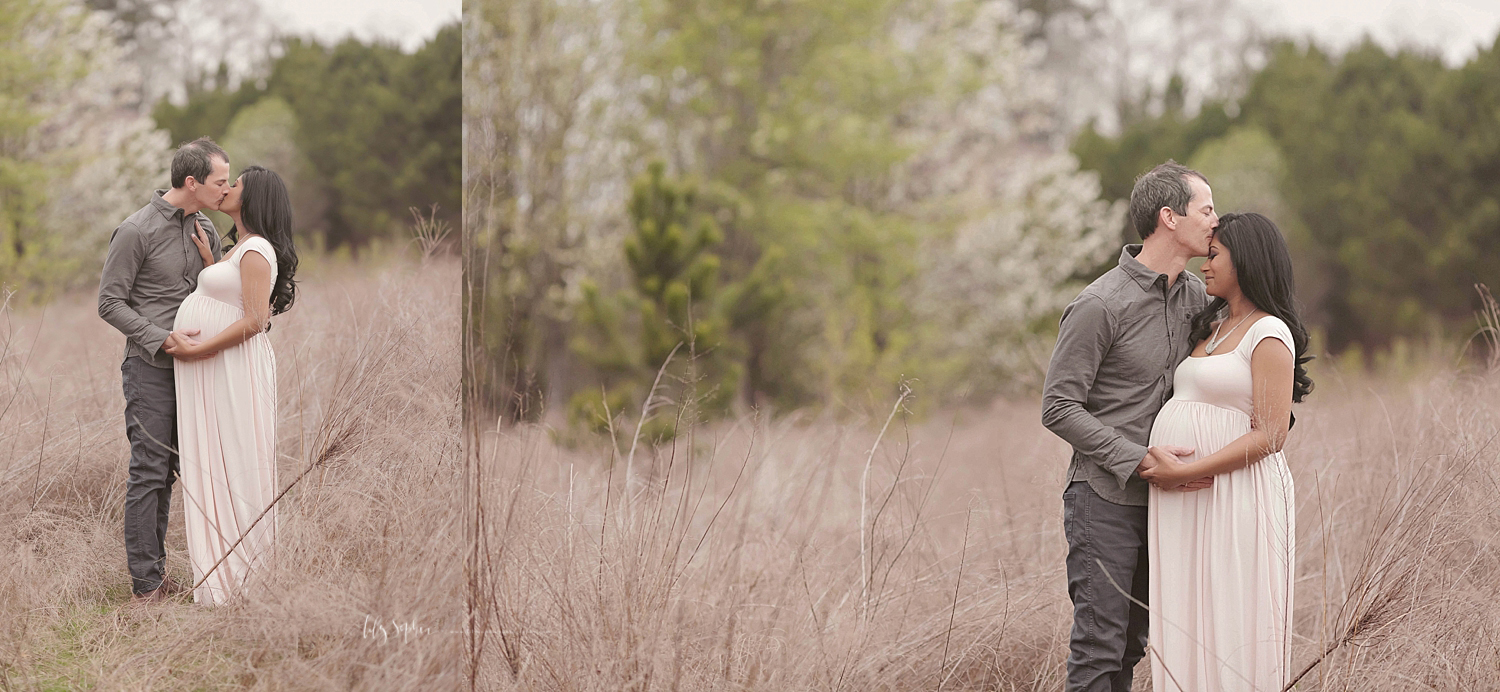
(1365,174)
(1468,114)
(793,110)
(209,108)
(381,129)
(667,324)
(265,134)
(544,191)
(25,73)
(1248,172)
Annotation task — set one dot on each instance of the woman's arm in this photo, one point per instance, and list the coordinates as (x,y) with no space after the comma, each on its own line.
(1271,366)
(255,295)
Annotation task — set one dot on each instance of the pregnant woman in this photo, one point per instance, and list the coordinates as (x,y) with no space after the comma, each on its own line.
(1221,559)
(226,388)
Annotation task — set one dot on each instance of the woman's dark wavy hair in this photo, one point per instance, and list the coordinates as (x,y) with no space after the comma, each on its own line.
(266,209)
(1264,267)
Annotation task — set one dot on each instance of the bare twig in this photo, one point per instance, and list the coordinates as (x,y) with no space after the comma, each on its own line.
(953,609)
(866,566)
(647,407)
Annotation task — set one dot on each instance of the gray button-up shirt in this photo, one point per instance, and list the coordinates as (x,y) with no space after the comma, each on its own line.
(1119,344)
(151,267)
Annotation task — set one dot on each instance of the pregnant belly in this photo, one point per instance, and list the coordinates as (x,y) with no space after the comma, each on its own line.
(205,314)
(1204,427)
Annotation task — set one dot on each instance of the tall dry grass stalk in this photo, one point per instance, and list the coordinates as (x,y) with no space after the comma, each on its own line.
(363,592)
(805,554)
(429,232)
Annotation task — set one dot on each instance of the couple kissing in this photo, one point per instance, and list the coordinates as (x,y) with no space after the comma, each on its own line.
(199,375)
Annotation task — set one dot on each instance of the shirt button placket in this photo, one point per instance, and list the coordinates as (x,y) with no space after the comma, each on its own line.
(1166,315)
(186,260)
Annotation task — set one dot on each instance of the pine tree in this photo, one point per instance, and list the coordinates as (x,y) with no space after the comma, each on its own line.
(667,323)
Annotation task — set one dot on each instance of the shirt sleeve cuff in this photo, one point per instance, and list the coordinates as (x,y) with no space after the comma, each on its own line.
(154,337)
(1125,460)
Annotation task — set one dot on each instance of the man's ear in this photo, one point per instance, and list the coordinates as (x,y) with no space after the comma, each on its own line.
(189,183)
(1166,217)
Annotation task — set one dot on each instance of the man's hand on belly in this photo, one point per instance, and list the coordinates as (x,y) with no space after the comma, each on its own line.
(1159,455)
(1150,461)
(177,340)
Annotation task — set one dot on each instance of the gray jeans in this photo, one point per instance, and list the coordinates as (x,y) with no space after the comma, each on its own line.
(1109,632)
(151,426)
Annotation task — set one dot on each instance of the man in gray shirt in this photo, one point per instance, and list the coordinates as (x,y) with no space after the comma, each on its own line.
(151,267)
(1119,344)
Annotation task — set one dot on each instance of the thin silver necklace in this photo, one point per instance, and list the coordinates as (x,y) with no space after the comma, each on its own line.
(1213,343)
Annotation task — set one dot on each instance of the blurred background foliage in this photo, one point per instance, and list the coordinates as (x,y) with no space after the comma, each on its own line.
(98,92)
(1382,166)
(366,130)
(848,155)
(910,190)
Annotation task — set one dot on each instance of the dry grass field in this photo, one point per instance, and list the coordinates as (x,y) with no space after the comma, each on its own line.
(810,555)
(793,553)
(368,369)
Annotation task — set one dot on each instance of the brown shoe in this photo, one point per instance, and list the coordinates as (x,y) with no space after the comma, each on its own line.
(157,595)
(172,586)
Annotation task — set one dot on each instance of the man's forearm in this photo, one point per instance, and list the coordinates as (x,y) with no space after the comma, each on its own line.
(132,324)
(1084,337)
(1073,423)
(121,264)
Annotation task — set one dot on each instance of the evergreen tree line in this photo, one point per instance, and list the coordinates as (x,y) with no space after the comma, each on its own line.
(1382,166)
(362,132)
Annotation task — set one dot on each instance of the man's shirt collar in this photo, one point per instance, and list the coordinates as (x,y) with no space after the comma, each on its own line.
(1143,275)
(167,209)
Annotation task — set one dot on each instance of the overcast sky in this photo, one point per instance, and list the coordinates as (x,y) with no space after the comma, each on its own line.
(1454,27)
(408,22)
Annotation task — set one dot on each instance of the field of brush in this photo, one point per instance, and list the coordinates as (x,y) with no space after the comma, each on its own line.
(799,554)
(787,553)
(368,382)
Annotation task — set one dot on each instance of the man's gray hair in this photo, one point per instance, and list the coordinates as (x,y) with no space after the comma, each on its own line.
(196,159)
(1163,186)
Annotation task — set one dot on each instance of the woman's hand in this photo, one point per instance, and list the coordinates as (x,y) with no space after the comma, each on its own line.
(200,238)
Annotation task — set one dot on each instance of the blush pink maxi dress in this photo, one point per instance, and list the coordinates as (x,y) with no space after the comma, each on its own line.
(226,433)
(1221,559)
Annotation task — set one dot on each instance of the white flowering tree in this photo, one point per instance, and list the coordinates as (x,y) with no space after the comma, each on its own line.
(180,44)
(1023,224)
(88,155)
